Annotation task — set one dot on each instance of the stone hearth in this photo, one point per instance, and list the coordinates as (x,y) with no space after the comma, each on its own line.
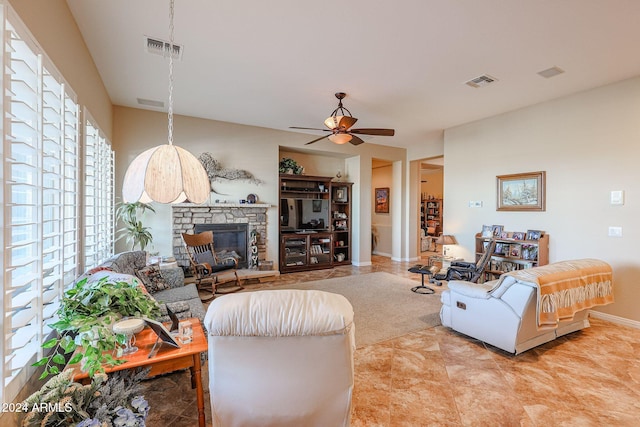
(186,216)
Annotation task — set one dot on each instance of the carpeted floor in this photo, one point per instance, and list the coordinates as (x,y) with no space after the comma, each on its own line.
(384,306)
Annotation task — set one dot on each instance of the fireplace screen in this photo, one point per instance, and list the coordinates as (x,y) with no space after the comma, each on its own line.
(228,240)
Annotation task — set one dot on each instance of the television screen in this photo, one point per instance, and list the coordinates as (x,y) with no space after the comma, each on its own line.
(304,214)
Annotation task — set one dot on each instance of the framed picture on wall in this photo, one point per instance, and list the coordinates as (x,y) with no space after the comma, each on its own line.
(521,192)
(382,200)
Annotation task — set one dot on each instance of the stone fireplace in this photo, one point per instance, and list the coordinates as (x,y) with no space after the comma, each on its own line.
(226,218)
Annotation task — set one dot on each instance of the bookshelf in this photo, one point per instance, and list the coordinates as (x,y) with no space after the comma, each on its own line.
(513,253)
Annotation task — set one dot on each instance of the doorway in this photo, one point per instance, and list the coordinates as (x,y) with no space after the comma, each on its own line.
(431,205)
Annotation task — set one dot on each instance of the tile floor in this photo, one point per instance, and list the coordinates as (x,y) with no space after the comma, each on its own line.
(436,377)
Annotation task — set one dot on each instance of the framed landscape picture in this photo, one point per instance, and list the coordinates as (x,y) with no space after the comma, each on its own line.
(521,192)
(382,200)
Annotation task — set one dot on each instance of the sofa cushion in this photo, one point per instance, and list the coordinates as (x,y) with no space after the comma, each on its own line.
(127,262)
(113,276)
(182,293)
(152,279)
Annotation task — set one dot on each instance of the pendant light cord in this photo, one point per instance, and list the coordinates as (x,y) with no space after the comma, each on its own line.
(170,113)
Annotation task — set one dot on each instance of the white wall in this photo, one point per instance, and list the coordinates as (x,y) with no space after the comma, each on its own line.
(589,145)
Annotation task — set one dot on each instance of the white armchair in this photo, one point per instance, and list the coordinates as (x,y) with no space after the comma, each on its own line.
(281,358)
(526,308)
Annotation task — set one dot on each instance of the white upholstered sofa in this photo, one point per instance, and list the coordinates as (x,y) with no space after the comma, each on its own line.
(526,308)
(280,358)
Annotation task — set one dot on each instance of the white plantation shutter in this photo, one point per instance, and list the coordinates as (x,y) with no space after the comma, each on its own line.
(40,193)
(99,195)
(22,213)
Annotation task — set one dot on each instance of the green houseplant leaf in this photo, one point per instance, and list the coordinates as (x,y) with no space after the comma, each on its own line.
(86,315)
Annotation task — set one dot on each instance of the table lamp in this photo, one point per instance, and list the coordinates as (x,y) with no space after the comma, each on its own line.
(445,239)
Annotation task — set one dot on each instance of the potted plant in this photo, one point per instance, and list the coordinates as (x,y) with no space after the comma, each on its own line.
(290,166)
(86,315)
(134,232)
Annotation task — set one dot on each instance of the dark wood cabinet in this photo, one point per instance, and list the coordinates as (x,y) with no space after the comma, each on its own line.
(315,223)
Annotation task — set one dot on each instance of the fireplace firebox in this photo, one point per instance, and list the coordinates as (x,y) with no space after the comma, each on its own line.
(228,238)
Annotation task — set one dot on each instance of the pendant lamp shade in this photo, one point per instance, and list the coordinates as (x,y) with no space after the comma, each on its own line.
(166,174)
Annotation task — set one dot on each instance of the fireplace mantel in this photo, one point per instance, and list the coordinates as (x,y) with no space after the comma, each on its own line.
(223,205)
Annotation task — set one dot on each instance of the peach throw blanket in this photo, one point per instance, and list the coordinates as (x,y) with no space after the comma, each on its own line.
(566,287)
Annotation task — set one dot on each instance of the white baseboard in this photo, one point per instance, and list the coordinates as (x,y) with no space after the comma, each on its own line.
(615,319)
(361,264)
(381,254)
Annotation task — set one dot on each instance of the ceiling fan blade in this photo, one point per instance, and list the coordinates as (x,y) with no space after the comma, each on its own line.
(355,140)
(317,139)
(374,131)
(298,127)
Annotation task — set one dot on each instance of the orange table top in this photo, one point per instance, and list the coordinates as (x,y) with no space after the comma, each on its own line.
(164,352)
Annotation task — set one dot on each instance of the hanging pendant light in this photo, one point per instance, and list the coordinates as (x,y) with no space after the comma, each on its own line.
(166,173)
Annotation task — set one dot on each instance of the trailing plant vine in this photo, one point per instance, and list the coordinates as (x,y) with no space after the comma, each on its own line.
(86,315)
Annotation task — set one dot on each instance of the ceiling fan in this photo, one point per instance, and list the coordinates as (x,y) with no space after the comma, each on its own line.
(339,124)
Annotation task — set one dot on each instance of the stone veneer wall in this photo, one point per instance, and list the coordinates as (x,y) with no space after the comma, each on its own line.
(185,216)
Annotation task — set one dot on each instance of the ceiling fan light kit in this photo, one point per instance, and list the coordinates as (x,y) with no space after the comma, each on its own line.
(166,173)
(340,138)
(339,124)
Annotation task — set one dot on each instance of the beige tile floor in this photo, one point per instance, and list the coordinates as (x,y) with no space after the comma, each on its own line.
(436,377)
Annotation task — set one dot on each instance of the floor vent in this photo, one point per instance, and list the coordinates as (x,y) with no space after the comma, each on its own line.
(161,47)
(481,81)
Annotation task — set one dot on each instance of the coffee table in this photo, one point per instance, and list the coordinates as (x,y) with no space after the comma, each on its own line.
(167,359)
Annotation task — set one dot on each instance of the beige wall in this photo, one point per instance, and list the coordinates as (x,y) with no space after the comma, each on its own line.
(52,25)
(588,144)
(434,185)
(257,150)
(234,146)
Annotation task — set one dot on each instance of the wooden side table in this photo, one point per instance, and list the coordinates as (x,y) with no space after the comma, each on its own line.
(167,359)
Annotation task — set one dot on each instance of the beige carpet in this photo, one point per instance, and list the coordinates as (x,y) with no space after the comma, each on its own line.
(384,306)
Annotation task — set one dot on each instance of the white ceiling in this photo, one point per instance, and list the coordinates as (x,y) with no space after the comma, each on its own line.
(403,64)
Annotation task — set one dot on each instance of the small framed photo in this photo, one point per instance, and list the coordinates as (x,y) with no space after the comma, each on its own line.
(487,231)
(518,235)
(382,200)
(515,251)
(533,234)
(521,191)
(317,205)
(340,194)
(504,235)
(496,230)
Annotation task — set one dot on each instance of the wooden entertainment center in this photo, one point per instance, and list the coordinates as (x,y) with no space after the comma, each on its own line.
(315,223)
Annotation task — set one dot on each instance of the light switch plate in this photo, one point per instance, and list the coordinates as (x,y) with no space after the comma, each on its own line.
(617,197)
(615,231)
(475,203)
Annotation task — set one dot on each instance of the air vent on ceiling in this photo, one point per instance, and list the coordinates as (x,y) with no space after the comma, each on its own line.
(150,103)
(551,72)
(161,47)
(481,81)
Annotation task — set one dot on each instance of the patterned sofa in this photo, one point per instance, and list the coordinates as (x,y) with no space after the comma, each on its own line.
(165,285)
